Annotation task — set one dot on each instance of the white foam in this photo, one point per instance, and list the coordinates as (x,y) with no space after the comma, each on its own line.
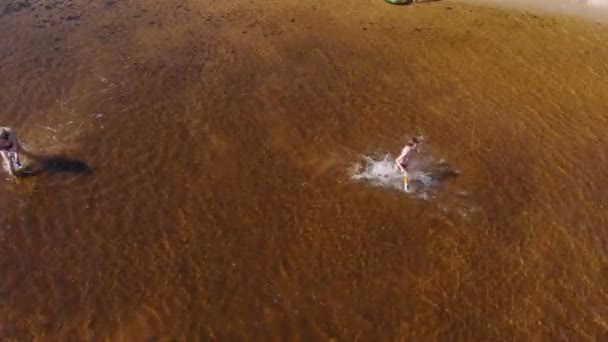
(382,172)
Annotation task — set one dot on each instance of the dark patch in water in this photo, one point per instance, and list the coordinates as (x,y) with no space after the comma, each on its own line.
(15,7)
(57,164)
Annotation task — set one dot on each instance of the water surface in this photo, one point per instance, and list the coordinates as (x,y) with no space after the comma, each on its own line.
(221,205)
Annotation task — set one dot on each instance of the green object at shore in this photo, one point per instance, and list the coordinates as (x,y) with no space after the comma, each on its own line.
(397,2)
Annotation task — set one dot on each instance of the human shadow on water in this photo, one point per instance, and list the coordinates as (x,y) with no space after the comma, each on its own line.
(442,171)
(432,172)
(59,164)
(53,164)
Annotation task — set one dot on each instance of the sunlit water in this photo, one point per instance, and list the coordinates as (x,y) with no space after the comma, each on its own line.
(241,184)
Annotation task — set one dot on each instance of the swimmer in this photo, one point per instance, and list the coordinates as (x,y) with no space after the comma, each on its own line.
(402,162)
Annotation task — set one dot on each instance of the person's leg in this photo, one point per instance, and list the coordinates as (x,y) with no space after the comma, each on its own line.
(406,182)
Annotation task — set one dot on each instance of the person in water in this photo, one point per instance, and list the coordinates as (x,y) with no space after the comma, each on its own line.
(8,143)
(402,161)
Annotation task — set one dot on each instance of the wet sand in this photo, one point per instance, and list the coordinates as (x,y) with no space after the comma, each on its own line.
(220,206)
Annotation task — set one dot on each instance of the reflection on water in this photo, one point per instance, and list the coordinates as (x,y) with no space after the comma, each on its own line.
(221,139)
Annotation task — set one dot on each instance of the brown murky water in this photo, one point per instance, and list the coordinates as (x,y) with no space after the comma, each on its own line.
(220,206)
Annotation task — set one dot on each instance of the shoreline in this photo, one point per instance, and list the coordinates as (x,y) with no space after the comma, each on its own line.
(590,10)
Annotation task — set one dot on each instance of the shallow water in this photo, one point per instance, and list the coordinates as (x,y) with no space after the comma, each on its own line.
(221,139)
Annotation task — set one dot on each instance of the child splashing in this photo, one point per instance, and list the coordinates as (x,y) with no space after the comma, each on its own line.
(414,171)
(402,161)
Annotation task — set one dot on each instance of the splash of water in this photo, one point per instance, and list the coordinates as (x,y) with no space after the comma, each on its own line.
(382,172)
(426,173)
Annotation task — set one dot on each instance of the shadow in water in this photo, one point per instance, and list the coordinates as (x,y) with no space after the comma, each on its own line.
(54,165)
(435,172)
(58,164)
(442,171)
